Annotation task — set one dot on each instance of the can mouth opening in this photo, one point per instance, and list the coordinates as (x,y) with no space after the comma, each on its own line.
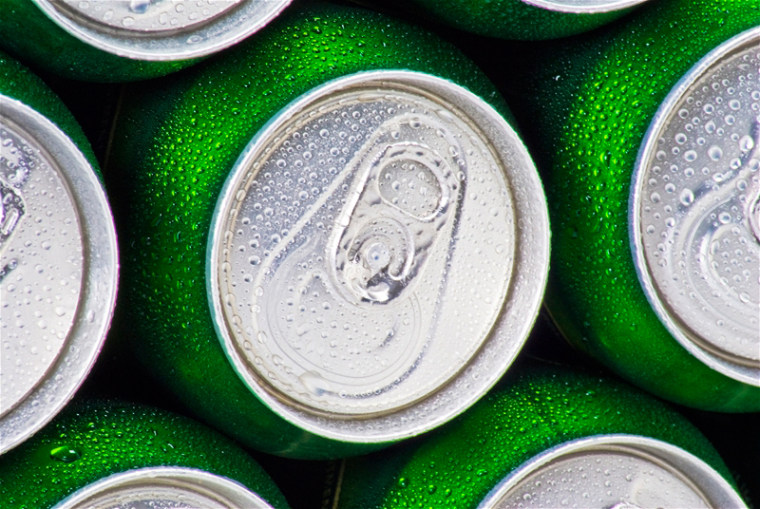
(695,210)
(349,242)
(166,487)
(584,6)
(58,270)
(161,30)
(614,471)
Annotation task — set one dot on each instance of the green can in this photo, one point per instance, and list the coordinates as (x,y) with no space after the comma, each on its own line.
(115,454)
(548,437)
(304,215)
(650,144)
(58,255)
(529,20)
(126,40)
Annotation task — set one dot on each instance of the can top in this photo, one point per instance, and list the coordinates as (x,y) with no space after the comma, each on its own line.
(695,210)
(165,487)
(584,6)
(378,255)
(58,270)
(161,29)
(614,472)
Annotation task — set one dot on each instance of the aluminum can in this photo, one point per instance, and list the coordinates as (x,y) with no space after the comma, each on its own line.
(126,40)
(58,255)
(529,20)
(650,149)
(310,218)
(100,454)
(548,437)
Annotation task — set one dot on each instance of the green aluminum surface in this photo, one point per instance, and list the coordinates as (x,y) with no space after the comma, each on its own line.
(534,409)
(91,440)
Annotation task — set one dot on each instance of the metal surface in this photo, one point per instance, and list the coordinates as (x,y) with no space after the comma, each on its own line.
(695,210)
(614,472)
(166,488)
(584,6)
(161,29)
(378,256)
(58,270)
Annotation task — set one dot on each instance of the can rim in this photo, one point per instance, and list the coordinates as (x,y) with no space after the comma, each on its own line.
(496,352)
(745,373)
(191,485)
(691,469)
(92,318)
(220,33)
(584,6)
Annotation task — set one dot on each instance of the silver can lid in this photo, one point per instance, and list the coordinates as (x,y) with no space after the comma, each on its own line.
(614,472)
(58,270)
(695,210)
(161,29)
(584,6)
(165,488)
(378,256)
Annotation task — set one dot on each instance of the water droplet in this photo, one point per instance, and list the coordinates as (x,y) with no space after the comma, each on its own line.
(687,197)
(65,454)
(139,6)
(715,152)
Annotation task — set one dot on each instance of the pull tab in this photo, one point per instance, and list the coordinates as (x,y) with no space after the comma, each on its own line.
(720,231)
(14,173)
(752,163)
(11,211)
(394,214)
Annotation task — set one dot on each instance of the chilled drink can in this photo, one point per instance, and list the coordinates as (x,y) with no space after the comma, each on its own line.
(650,149)
(549,437)
(530,20)
(58,255)
(108,454)
(124,40)
(334,244)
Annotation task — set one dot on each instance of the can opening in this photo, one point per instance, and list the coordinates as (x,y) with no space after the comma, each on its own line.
(695,210)
(352,238)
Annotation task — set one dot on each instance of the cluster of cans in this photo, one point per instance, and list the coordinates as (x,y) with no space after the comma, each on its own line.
(334,237)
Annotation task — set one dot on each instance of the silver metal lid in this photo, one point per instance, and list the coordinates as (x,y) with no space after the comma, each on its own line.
(58,270)
(378,256)
(584,6)
(614,472)
(161,29)
(695,210)
(164,488)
